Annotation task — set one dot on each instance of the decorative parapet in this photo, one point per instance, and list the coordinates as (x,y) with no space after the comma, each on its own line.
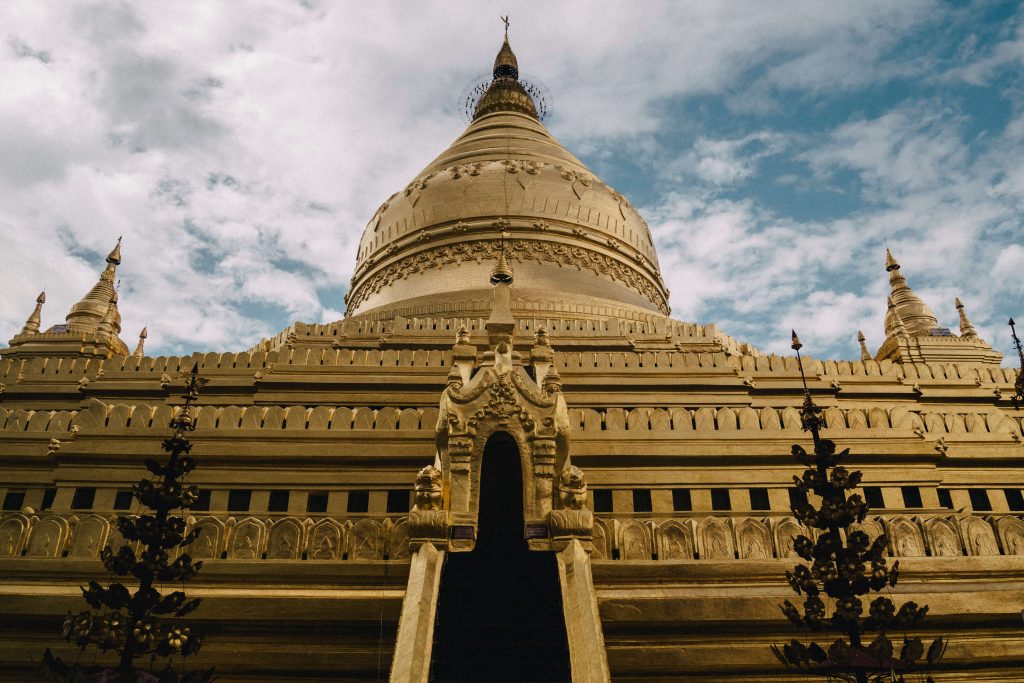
(744,419)
(223,537)
(699,537)
(96,415)
(71,370)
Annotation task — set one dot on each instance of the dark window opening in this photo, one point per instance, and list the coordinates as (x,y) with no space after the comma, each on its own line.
(945,499)
(681,500)
(317,502)
(278,501)
(797,499)
(759,499)
(720,499)
(873,497)
(641,500)
(123,500)
(84,497)
(911,497)
(602,500)
(14,500)
(48,496)
(202,503)
(358,501)
(1015,499)
(398,500)
(979,500)
(239,500)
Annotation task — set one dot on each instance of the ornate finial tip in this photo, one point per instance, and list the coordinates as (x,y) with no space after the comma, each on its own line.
(1012,323)
(505,64)
(41,299)
(890,261)
(143,333)
(115,254)
(860,336)
(195,368)
(796,345)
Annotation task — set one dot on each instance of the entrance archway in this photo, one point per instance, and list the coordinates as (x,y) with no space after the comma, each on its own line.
(499,615)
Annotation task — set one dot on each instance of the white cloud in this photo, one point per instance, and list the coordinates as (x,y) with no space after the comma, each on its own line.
(730,161)
(240,149)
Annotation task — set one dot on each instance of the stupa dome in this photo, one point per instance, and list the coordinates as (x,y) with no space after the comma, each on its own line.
(506,181)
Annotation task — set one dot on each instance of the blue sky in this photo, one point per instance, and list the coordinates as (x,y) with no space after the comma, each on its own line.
(774,148)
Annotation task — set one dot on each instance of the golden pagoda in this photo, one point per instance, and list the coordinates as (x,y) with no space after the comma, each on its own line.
(578,488)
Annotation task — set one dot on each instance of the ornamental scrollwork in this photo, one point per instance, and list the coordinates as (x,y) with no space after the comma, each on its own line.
(530,394)
(460,170)
(501,406)
(522,249)
(527,165)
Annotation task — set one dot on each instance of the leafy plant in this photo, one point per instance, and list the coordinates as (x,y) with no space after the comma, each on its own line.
(846,564)
(146,622)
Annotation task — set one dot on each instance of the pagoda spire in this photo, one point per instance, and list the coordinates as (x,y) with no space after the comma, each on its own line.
(915,316)
(505,64)
(967,330)
(88,313)
(862,340)
(505,93)
(32,324)
(140,350)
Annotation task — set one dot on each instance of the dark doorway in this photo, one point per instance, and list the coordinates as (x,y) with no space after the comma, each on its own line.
(499,616)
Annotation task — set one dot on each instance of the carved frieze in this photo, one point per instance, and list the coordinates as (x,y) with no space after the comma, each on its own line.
(516,249)
(294,538)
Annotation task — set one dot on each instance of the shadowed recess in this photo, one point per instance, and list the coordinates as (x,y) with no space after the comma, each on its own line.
(499,615)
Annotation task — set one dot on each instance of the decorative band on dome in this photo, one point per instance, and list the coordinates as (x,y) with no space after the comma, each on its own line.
(545,251)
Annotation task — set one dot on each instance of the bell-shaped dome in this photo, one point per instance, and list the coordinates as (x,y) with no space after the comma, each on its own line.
(567,235)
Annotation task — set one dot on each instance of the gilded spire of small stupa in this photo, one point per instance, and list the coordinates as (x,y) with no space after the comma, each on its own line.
(916,316)
(967,330)
(87,314)
(114,256)
(140,349)
(862,340)
(890,261)
(32,324)
(892,266)
(894,321)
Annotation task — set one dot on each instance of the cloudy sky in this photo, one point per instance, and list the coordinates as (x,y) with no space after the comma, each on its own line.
(774,148)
